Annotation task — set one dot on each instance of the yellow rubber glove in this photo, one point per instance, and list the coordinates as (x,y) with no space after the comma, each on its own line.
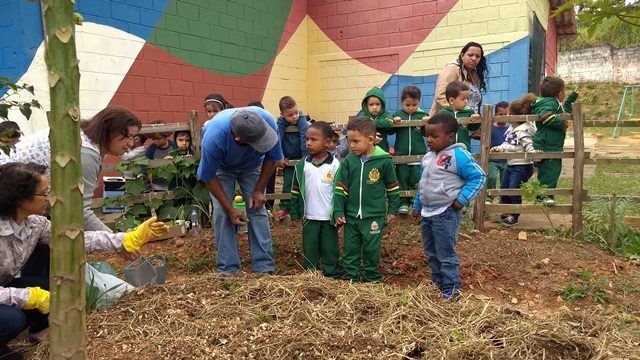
(148,230)
(38,299)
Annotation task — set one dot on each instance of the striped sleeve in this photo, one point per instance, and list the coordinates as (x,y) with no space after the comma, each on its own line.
(469,170)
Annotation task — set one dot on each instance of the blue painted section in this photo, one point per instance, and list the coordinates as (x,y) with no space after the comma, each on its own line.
(19,41)
(136,17)
(508,81)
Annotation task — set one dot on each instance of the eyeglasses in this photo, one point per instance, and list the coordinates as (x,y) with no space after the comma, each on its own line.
(45,194)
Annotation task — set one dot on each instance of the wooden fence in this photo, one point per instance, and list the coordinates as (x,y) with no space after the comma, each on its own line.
(580,157)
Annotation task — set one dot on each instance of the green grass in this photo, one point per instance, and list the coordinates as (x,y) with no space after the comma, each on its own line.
(606,34)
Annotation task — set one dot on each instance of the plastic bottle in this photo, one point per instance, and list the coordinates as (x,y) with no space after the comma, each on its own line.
(195,224)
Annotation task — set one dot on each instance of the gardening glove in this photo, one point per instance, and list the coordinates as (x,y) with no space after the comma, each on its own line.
(148,230)
(38,299)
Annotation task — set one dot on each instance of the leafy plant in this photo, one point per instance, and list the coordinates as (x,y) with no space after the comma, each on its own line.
(231,285)
(533,192)
(622,239)
(574,291)
(188,191)
(7,103)
(94,294)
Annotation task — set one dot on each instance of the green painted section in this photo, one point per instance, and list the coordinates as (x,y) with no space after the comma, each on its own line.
(228,37)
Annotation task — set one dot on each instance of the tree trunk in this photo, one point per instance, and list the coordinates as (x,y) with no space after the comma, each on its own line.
(67,316)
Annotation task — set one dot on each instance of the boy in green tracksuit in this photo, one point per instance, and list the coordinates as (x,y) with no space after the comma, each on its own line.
(365,176)
(551,131)
(374,107)
(457,94)
(409,141)
(311,201)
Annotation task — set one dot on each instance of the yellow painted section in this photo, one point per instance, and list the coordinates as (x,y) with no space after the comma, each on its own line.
(492,23)
(337,82)
(289,74)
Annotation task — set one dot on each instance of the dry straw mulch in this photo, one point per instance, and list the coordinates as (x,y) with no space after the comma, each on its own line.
(309,317)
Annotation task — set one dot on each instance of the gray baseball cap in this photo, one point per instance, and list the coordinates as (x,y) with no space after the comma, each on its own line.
(254,130)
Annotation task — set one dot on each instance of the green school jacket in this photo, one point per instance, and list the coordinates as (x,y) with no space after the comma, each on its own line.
(551,131)
(383,120)
(361,187)
(409,140)
(462,136)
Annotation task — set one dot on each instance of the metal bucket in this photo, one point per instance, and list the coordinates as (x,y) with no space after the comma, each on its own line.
(141,271)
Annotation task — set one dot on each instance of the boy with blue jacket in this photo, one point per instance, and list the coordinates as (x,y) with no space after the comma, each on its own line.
(450,179)
(294,144)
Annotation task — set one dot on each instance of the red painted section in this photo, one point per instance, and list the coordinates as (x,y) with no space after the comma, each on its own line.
(397,26)
(551,49)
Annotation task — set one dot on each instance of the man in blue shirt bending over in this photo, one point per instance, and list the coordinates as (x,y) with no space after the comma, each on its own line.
(241,145)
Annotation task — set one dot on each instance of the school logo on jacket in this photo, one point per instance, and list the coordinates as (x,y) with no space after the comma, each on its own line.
(374,176)
(328,177)
(375,228)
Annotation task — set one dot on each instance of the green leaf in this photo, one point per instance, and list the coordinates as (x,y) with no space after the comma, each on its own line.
(201,193)
(180,193)
(135,187)
(154,203)
(126,222)
(141,161)
(137,210)
(167,211)
(4,112)
(167,172)
(26,111)
(114,201)
(123,166)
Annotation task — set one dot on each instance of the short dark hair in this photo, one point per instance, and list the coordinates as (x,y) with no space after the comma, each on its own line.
(334,135)
(551,86)
(182,133)
(217,99)
(449,122)
(142,137)
(11,128)
(18,182)
(362,125)
(159,135)
(109,123)
(324,128)
(256,103)
(501,105)
(454,89)
(410,92)
(286,103)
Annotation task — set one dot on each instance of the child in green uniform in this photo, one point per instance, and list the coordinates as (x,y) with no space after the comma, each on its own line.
(365,176)
(457,94)
(409,141)
(311,200)
(551,130)
(374,107)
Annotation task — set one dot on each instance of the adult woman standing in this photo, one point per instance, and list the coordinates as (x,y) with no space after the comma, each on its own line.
(24,300)
(470,68)
(109,132)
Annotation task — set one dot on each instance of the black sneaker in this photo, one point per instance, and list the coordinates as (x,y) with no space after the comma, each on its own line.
(510,220)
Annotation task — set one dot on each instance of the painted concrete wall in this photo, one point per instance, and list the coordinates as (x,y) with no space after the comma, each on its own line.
(160,58)
(600,64)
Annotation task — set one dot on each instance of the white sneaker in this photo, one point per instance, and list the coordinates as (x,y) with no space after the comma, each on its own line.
(404,210)
(549,202)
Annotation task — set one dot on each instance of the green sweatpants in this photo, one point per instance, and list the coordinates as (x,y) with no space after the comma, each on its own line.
(287,181)
(408,176)
(362,236)
(549,172)
(495,168)
(320,243)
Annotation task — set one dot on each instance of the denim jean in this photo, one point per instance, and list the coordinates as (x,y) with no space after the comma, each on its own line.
(228,260)
(13,321)
(439,238)
(515,176)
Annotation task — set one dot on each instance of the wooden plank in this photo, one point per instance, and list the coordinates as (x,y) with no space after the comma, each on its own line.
(526,209)
(196,132)
(135,199)
(485,145)
(578,169)
(530,118)
(633,221)
(153,128)
(508,192)
(396,160)
(544,155)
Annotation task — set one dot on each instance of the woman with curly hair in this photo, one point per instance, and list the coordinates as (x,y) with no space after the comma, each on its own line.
(470,68)
(24,300)
(109,132)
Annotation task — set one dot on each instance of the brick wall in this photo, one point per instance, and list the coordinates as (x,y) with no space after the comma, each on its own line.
(600,64)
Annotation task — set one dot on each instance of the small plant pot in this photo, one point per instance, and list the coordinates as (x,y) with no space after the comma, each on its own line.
(146,272)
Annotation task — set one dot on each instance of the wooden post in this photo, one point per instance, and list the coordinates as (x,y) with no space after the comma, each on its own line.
(578,169)
(196,132)
(485,145)
(611,237)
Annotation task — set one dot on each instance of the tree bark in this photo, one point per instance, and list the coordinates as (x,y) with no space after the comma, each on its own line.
(67,317)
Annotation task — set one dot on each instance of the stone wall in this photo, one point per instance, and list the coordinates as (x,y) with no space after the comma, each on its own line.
(600,64)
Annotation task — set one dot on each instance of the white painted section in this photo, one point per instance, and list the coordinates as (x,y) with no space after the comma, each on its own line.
(105,55)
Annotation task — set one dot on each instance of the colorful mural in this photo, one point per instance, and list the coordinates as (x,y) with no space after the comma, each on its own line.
(160,58)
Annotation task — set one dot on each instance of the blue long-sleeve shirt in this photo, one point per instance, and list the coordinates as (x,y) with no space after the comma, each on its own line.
(294,145)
